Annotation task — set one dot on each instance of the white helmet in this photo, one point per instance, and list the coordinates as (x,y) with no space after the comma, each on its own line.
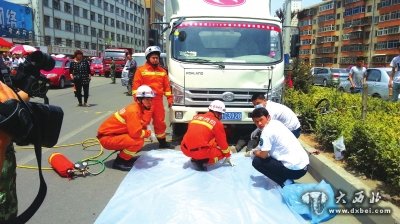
(152,49)
(144,91)
(217,106)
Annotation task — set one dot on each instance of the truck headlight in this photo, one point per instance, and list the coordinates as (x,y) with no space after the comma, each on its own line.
(179,93)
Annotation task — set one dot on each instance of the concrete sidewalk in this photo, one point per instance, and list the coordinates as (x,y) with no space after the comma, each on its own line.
(323,168)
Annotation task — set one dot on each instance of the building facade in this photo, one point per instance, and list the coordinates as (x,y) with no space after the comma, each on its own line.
(61,26)
(335,33)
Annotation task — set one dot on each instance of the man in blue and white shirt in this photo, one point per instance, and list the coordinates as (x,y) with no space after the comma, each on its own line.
(279,155)
(394,80)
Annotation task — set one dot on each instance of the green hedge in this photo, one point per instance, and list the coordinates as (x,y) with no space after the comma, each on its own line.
(372,145)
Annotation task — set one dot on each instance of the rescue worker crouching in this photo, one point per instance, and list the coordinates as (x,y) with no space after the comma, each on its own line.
(153,75)
(205,140)
(125,130)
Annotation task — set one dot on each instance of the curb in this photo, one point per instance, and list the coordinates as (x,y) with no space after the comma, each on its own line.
(323,168)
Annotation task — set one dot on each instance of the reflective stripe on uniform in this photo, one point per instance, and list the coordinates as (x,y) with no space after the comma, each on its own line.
(168,94)
(119,117)
(148,73)
(208,125)
(215,159)
(161,135)
(225,151)
(134,92)
(143,133)
(129,152)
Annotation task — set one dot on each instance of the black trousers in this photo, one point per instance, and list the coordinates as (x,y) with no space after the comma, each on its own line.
(276,171)
(79,86)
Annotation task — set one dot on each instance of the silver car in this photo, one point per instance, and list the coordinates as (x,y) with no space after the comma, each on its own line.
(377,80)
(328,76)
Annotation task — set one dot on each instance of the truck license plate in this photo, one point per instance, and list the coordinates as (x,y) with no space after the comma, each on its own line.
(232,116)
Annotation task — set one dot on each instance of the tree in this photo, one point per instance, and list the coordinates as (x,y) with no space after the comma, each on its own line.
(280,13)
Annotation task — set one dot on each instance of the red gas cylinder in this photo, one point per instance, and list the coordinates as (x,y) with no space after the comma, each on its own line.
(61,164)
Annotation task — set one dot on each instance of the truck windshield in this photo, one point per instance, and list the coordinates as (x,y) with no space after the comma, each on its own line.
(116,55)
(230,42)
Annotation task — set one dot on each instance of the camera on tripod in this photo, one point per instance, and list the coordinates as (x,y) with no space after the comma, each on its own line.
(30,122)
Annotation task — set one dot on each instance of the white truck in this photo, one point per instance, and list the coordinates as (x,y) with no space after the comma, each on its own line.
(222,49)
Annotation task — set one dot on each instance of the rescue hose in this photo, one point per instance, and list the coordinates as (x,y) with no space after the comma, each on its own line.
(91,160)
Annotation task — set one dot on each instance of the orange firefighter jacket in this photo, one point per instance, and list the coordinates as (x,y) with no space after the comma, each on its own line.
(128,120)
(202,130)
(155,77)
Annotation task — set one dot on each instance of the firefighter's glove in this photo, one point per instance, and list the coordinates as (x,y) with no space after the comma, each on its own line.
(255,134)
(146,133)
(228,161)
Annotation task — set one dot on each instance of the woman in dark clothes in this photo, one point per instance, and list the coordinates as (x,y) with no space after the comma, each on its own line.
(80,73)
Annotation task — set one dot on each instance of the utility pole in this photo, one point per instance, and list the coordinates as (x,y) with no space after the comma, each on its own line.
(287,30)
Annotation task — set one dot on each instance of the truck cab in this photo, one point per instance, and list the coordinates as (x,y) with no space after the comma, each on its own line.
(228,53)
(119,56)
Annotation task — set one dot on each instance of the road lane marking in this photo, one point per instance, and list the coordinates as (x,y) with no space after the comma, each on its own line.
(64,138)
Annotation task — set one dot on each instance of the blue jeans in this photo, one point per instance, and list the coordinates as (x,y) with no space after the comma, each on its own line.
(396,91)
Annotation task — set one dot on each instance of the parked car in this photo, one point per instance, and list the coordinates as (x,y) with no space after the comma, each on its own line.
(328,76)
(59,76)
(377,80)
(140,60)
(96,66)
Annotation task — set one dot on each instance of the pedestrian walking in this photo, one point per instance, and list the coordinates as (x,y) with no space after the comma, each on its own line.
(80,74)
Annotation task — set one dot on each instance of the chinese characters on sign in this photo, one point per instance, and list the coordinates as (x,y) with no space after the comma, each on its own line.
(358,197)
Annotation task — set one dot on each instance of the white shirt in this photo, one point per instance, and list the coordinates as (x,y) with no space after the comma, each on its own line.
(357,74)
(283,114)
(283,146)
(396,63)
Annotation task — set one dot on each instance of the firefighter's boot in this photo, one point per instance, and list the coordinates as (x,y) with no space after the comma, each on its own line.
(124,165)
(200,165)
(163,144)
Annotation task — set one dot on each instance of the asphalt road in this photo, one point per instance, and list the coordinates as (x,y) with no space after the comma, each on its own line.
(82,199)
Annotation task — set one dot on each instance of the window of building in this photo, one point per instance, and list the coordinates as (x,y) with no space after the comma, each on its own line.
(68,42)
(117,10)
(99,3)
(46,3)
(106,20)
(85,30)
(112,23)
(56,4)
(118,37)
(77,44)
(93,31)
(77,28)
(105,6)
(57,41)
(92,16)
(67,7)
(338,16)
(47,40)
(93,46)
(68,25)
(76,10)
(99,18)
(111,8)
(106,34)
(57,23)
(117,24)
(369,8)
(339,4)
(85,13)
(46,21)
(86,45)
(112,36)
(92,2)
(100,33)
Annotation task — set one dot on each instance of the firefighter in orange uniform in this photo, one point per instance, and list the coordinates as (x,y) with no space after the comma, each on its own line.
(153,75)
(125,130)
(205,140)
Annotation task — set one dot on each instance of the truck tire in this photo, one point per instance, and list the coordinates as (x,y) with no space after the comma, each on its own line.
(178,130)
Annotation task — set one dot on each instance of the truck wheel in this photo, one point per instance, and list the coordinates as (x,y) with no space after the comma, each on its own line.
(178,130)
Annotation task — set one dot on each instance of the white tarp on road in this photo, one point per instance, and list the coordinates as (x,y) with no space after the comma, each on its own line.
(163,188)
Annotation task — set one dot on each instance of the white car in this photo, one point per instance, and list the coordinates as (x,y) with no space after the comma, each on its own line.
(140,60)
(377,81)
